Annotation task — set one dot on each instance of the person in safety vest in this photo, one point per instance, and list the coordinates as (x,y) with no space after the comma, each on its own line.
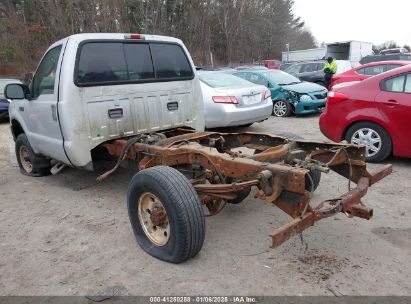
(330,69)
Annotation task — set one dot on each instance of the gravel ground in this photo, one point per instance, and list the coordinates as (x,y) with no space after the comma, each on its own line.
(67,235)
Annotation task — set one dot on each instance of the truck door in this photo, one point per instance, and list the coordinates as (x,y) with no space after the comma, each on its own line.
(41,111)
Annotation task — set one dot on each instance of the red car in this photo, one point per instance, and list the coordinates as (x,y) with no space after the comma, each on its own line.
(272,64)
(366,71)
(375,112)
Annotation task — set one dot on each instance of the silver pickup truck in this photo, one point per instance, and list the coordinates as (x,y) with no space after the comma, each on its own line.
(91,88)
(137,97)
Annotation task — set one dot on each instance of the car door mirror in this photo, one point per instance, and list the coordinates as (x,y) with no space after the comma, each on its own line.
(16,91)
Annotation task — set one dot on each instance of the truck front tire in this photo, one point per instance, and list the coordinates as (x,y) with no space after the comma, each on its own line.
(166,214)
(30,163)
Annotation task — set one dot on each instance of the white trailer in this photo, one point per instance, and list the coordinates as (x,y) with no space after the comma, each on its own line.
(345,50)
(304,55)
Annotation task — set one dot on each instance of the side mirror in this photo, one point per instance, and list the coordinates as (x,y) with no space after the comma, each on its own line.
(16,91)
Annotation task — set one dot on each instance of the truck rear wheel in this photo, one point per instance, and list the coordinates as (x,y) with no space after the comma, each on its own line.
(30,164)
(166,214)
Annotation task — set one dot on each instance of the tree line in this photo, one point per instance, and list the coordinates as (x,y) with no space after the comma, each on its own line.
(225,31)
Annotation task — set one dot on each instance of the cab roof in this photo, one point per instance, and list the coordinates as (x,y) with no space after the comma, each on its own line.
(78,38)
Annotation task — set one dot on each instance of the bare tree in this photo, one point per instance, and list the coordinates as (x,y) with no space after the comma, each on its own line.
(230,30)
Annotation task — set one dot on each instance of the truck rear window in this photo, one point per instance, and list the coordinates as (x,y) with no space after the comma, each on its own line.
(110,63)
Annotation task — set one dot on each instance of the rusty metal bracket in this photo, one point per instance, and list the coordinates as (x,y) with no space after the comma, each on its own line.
(349,202)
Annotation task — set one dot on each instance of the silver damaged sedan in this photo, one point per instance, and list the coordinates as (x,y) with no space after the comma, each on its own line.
(230,101)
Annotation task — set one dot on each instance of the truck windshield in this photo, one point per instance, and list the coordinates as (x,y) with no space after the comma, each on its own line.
(282,78)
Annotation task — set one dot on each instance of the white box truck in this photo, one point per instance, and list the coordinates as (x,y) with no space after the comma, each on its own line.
(352,51)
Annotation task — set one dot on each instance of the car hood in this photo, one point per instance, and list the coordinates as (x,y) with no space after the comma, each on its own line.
(304,87)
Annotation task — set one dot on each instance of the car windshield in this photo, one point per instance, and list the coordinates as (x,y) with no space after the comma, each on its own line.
(222,80)
(282,78)
(293,69)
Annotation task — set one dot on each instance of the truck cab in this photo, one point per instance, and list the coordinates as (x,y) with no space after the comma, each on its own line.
(89,89)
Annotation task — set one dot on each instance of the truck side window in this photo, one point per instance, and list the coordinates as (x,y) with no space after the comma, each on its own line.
(44,79)
(170,61)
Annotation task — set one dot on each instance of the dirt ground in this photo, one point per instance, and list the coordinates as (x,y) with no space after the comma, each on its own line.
(67,235)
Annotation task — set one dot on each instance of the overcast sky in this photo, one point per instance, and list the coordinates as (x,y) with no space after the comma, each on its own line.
(373,21)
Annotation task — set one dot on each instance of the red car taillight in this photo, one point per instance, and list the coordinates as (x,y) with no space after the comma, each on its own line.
(335,97)
(267,95)
(225,99)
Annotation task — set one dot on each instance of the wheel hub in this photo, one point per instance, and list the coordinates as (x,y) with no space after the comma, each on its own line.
(370,139)
(158,216)
(280,108)
(153,219)
(25,159)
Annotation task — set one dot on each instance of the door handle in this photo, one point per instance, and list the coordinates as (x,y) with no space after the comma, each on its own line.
(391,102)
(172,106)
(115,113)
(54,112)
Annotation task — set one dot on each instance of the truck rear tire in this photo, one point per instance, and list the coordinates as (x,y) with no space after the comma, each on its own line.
(30,163)
(166,214)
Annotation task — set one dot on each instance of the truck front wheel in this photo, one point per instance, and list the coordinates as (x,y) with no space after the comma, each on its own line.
(166,214)
(30,164)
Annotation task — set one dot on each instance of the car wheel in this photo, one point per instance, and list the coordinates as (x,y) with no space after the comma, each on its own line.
(166,214)
(30,164)
(377,141)
(282,108)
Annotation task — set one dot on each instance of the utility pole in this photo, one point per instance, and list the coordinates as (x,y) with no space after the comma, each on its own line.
(288,51)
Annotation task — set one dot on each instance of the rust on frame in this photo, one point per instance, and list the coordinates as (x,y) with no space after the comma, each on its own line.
(278,167)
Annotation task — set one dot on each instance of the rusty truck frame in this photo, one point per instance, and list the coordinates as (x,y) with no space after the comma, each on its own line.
(217,168)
